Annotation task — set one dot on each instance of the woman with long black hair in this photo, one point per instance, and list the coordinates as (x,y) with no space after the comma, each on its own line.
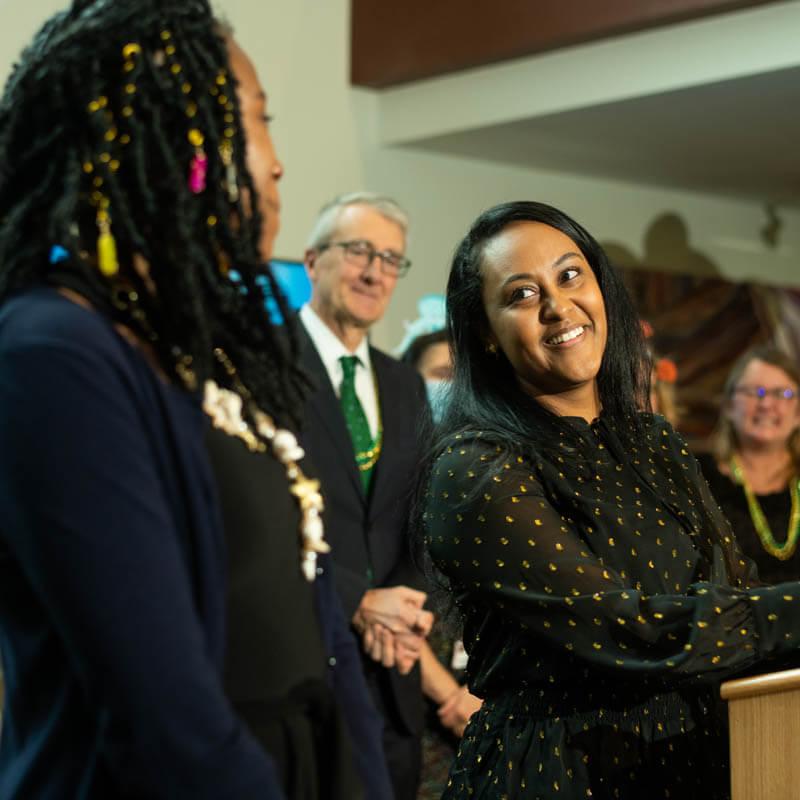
(601,591)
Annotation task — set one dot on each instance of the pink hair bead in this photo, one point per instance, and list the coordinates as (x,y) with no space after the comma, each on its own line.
(197,173)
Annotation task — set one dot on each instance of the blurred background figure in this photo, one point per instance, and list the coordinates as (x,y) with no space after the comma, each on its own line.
(662,380)
(449,703)
(430,355)
(426,348)
(753,471)
(662,389)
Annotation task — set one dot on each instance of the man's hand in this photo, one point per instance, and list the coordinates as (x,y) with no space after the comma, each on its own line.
(393,625)
(398,608)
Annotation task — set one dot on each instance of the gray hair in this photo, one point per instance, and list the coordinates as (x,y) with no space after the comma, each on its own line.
(328,216)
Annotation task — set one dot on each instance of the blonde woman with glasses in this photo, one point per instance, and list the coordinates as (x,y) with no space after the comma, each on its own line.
(754,471)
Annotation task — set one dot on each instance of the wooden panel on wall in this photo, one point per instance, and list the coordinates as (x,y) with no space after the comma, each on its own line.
(397,42)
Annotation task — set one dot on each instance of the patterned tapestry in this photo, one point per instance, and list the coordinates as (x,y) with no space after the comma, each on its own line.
(701,321)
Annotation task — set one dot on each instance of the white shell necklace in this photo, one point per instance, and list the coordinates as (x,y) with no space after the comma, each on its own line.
(224,407)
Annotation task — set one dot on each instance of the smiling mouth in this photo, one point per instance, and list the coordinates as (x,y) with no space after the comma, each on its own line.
(361,293)
(766,420)
(567,336)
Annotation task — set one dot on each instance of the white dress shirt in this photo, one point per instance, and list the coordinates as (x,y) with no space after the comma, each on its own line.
(331,349)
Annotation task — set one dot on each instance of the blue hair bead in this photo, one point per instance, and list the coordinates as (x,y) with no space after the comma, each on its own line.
(58,254)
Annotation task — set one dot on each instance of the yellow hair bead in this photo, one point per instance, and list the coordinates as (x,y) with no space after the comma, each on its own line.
(106,247)
(131,49)
(196,138)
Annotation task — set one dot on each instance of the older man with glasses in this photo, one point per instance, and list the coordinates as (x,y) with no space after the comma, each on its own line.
(362,437)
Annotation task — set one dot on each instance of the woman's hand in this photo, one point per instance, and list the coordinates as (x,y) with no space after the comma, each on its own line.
(455,712)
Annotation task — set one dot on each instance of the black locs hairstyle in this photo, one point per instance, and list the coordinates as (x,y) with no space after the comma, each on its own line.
(485,393)
(101,114)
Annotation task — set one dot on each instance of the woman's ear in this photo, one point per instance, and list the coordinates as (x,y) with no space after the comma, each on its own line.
(726,407)
(490,343)
(797,417)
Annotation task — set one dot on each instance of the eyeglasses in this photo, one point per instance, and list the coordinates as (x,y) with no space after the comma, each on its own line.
(361,254)
(778,393)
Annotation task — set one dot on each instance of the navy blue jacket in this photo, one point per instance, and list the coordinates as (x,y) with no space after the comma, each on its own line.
(347,679)
(112,646)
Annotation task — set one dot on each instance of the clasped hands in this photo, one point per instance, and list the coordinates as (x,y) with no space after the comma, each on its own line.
(393,625)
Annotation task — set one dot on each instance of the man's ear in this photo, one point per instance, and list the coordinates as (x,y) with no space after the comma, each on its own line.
(310,260)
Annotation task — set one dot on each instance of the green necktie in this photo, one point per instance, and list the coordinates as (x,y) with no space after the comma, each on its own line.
(356,419)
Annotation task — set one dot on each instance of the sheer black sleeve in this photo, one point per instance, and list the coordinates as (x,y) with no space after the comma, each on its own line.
(503,544)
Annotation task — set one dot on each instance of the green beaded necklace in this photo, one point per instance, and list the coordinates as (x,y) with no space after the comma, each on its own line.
(780,551)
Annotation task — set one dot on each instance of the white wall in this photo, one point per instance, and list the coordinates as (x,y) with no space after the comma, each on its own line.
(327,136)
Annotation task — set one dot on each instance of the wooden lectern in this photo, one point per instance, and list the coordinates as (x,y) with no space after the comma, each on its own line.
(764,713)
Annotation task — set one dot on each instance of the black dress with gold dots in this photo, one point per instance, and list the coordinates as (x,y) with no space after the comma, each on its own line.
(603,599)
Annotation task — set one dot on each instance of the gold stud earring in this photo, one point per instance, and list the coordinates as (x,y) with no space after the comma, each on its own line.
(491,348)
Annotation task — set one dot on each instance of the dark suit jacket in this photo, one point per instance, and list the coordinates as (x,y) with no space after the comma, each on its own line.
(372,530)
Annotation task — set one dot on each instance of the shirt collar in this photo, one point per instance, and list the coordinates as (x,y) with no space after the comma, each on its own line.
(329,346)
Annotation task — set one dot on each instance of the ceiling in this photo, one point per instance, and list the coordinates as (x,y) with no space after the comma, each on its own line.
(738,138)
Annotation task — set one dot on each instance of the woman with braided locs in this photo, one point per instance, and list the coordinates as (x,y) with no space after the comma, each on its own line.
(602,594)
(136,174)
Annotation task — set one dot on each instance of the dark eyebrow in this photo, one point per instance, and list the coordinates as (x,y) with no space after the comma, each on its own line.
(519,276)
(563,258)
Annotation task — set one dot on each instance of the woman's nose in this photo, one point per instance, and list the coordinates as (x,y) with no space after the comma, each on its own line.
(553,306)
